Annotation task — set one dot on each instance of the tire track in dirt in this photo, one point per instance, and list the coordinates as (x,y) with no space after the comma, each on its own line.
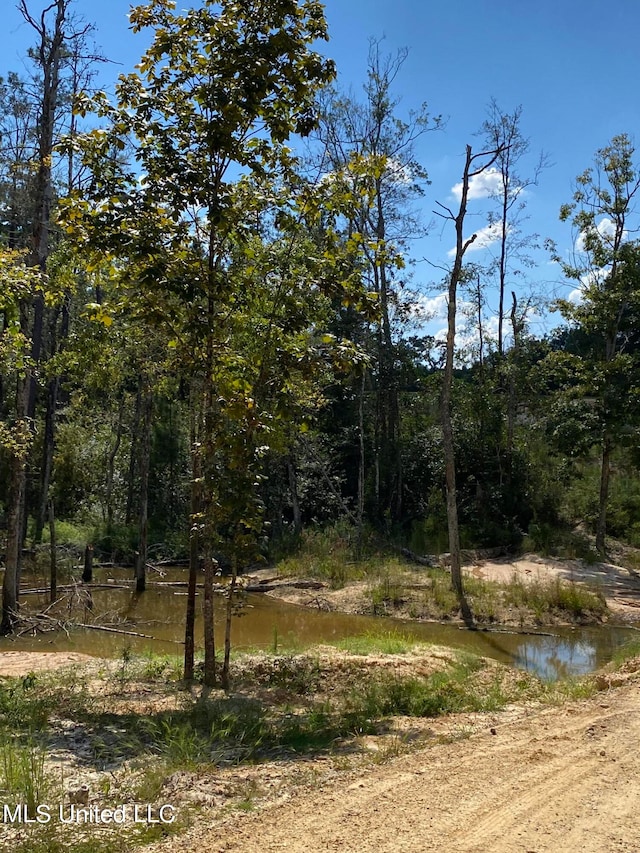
(563,780)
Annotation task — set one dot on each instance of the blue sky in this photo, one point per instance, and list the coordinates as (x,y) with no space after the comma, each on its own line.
(573,66)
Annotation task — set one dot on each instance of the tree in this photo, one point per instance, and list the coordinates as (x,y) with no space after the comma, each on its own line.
(503,132)
(219,91)
(475,164)
(19,282)
(62,64)
(17,142)
(368,148)
(48,57)
(606,262)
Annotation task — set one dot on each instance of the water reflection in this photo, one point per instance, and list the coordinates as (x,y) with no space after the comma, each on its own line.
(268,623)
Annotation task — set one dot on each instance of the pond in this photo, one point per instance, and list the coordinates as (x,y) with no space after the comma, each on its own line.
(268,623)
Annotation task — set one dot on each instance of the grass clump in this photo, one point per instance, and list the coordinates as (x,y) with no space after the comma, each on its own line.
(557,598)
(326,554)
(386,643)
(206,732)
(463,686)
(298,674)
(23,778)
(337,555)
(27,703)
(389,592)
(627,651)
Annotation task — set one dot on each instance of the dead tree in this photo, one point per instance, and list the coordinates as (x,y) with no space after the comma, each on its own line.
(475,164)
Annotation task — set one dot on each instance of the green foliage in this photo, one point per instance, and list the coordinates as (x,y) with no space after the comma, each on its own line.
(442,594)
(608,266)
(299,674)
(430,535)
(452,690)
(275,311)
(561,598)
(388,592)
(207,731)
(387,643)
(326,553)
(22,772)
(626,652)
(27,703)
(116,542)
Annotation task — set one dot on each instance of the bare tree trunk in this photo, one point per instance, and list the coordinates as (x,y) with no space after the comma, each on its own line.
(503,254)
(53,595)
(512,404)
(87,573)
(210,567)
(605,473)
(227,629)
(189,631)
(388,406)
(133,455)
(447,389)
(194,548)
(295,500)
(207,502)
(15,511)
(361,469)
(53,392)
(143,527)
(449,451)
(47,458)
(48,56)
(111,460)
(11,583)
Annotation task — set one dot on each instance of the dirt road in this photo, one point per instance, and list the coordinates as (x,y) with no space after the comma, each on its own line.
(563,780)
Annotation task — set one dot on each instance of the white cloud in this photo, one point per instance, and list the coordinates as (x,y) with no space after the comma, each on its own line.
(596,276)
(428,308)
(466,314)
(606,230)
(394,171)
(467,335)
(399,172)
(483,185)
(485,237)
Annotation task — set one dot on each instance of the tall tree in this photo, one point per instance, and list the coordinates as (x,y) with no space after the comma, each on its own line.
(17,151)
(502,132)
(218,92)
(475,165)
(371,150)
(63,62)
(18,283)
(52,31)
(606,263)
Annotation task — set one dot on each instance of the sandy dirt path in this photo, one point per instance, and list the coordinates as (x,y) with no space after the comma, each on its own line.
(22,663)
(563,780)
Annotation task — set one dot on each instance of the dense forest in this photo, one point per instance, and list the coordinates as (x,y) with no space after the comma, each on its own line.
(210,340)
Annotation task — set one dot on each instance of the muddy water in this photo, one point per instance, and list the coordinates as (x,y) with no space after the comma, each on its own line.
(268,623)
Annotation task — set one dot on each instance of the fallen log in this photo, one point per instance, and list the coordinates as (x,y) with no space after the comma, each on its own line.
(111,630)
(429,560)
(74,586)
(284,584)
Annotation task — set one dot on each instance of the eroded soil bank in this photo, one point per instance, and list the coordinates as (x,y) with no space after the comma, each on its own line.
(521,766)
(618,585)
(559,779)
